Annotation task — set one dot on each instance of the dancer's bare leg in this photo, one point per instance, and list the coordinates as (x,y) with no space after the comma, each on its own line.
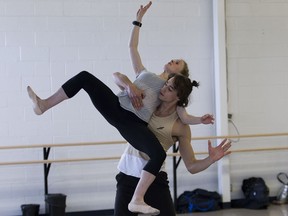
(42,105)
(137,203)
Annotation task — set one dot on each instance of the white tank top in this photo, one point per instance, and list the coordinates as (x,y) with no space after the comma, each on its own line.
(133,161)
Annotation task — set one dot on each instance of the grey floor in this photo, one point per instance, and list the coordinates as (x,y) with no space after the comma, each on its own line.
(273,210)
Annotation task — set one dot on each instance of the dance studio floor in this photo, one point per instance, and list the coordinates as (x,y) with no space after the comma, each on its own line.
(273,210)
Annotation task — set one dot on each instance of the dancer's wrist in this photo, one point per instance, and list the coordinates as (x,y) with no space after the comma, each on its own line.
(137,23)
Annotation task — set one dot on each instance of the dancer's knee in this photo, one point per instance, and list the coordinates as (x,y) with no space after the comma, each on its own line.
(84,73)
(156,161)
(159,154)
(162,155)
(76,83)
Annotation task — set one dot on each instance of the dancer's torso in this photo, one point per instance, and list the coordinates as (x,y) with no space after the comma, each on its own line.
(151,84)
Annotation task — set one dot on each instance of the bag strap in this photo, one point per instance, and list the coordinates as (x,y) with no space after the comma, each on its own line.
(283,178)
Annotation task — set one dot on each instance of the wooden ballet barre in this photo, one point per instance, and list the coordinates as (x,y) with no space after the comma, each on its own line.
(58,160)
(118,157)
(240,150)
(240,136)
(123,141)
(260,149)
(62,145)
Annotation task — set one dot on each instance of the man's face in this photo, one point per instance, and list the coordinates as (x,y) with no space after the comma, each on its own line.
(168,93)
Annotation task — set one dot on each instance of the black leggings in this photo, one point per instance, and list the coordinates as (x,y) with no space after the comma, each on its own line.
(130,126)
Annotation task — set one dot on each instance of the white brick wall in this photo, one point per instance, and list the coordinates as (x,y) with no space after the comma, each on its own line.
(42,44)
(257,48)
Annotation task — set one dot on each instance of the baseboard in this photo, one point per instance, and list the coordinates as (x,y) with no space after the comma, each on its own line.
(226,205)
(110,212)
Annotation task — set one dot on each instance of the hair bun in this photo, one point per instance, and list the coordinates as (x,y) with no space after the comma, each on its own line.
(195,83)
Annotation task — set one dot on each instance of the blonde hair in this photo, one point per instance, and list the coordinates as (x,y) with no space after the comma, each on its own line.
(185,70)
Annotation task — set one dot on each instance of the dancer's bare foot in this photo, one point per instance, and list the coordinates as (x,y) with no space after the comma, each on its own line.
(143,208)
(35,100)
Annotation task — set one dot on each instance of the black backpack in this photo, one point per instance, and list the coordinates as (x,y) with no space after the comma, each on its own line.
(256,194)
(198,200)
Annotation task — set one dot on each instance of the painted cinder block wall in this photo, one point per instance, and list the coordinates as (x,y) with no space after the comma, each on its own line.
(257,60)
(43,43)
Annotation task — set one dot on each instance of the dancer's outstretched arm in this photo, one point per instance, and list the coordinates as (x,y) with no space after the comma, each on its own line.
(192,164)
(134,40)
(186,118)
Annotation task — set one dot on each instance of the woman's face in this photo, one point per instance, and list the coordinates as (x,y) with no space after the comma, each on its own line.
(168,93)
(174,66)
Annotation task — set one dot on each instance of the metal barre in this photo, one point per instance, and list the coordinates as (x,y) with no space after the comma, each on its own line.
(123,141)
